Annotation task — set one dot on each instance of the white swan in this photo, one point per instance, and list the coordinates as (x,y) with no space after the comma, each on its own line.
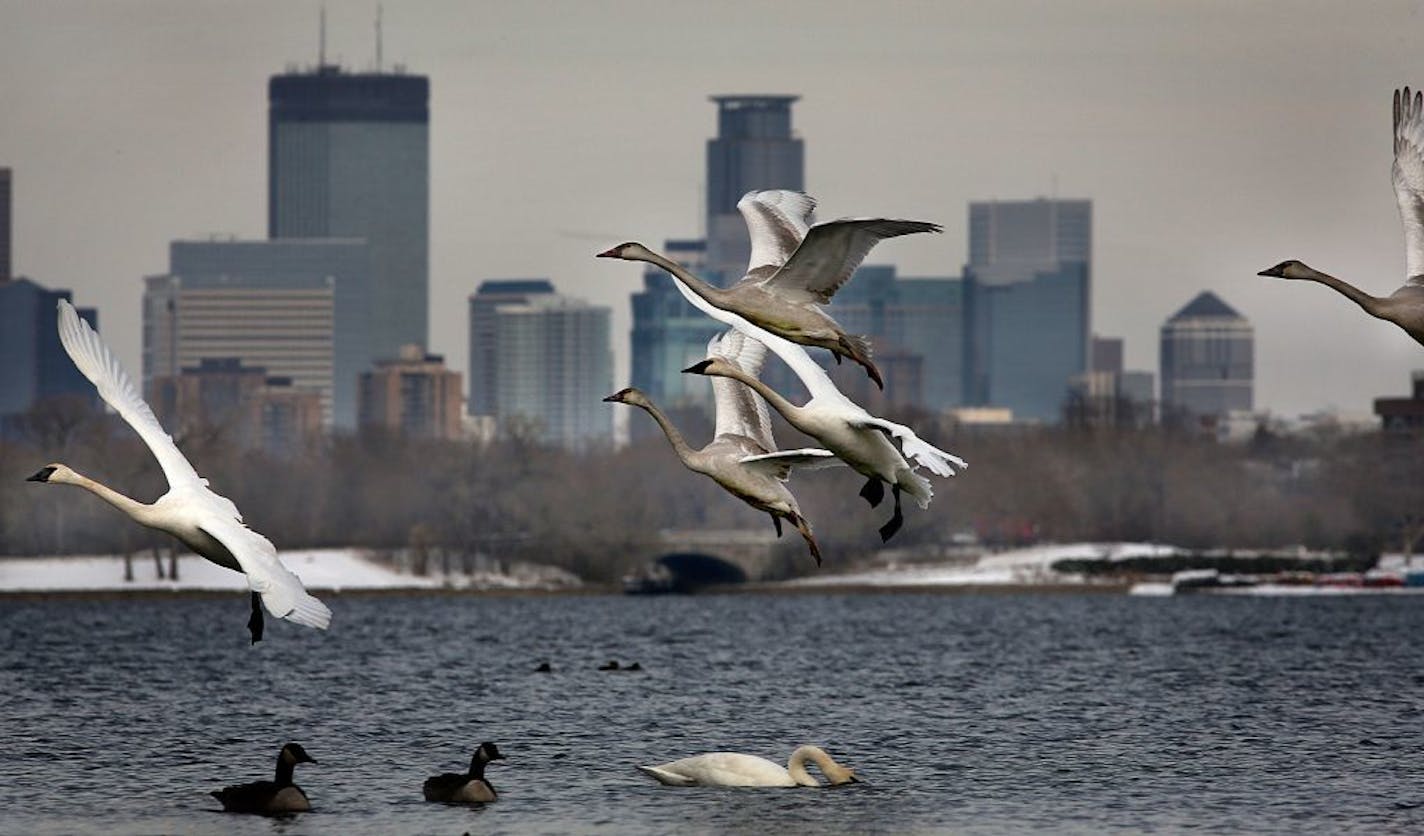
(795,268)
(860,439)
(732,769)
(1404,307)
(202,520)
(742,456)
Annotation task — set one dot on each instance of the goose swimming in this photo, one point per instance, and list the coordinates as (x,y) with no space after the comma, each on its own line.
(1405,306)
(204,521)
(467,788)
(733,769)
(270,798)
(742,456)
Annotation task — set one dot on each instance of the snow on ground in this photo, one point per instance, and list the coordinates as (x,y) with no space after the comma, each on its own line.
(1019,566)
(334,569)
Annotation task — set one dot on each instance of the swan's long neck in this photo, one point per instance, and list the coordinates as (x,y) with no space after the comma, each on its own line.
(1373,305)
(789,410)
(133,508)
(710,293)
(674,437)
(834,772)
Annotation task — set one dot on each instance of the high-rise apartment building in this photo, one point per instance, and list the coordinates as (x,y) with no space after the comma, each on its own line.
(1207,359)
(754,149)
(412,394)
(296,308)
(1027,299)
(33,363)
(552,362)
(348,157)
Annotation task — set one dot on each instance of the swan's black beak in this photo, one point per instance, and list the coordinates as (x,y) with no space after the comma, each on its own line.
(697,368)
(1279,271)
(612,398)
(42,476)
(613,253)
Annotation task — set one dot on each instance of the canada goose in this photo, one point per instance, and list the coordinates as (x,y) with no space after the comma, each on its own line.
(471,787)
(202,520)
(1405,306)
(732,769)
(794,269)
(270,798)
(858,438)
(610,665)
(742,456)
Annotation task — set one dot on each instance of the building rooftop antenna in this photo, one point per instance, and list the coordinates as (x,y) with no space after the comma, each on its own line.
(321,41)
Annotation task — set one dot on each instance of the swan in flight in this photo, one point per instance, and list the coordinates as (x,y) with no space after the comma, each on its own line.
(732,769)
(469,788)
(742,457)
(270,798)
(795,268)
(860,439)
(202,520)
(1405,306)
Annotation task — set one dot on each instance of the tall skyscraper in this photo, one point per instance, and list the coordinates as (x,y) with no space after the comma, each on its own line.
(33,363)
(349,157)
(1027,298)
(1207,360)
(296,308)
(552,362)
(5,196)
(754,149)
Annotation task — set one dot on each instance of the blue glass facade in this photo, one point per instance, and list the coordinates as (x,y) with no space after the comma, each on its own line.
(33,363)
(1027,304)
(348,157)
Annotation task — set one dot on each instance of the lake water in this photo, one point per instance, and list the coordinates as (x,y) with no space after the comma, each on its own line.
(964,713)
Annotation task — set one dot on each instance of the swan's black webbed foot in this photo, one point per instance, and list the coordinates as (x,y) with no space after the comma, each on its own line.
(873,492)
(896,520)
(255,623)
(776,521)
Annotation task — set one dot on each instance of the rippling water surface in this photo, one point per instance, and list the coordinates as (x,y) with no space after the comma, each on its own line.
(964,713)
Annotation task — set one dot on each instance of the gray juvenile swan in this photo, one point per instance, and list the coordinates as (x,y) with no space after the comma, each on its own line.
(1405,306)
(467,788)
(742,456)
(270,798)
(202,520)
(733,769)
(795,268)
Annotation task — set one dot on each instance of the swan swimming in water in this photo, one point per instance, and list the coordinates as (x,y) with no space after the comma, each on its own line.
(202,520)
(1405,306)
(742,456)
(733,769)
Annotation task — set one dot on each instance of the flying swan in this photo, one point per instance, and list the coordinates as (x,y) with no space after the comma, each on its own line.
(860,439)
(202,520)
(742,456)
(795,268)
(1405,306)
(733,769)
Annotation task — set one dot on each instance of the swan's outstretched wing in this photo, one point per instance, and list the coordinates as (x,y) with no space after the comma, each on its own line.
(830,253)
(94,359)
(282,592)
(1408,175)
(777,220)
(740,411)
(917,449)
(781,463)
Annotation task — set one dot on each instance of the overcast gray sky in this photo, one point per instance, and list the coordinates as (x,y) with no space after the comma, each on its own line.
(1214,138)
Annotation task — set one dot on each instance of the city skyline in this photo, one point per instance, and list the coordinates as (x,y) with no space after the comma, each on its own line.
(1204,147)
